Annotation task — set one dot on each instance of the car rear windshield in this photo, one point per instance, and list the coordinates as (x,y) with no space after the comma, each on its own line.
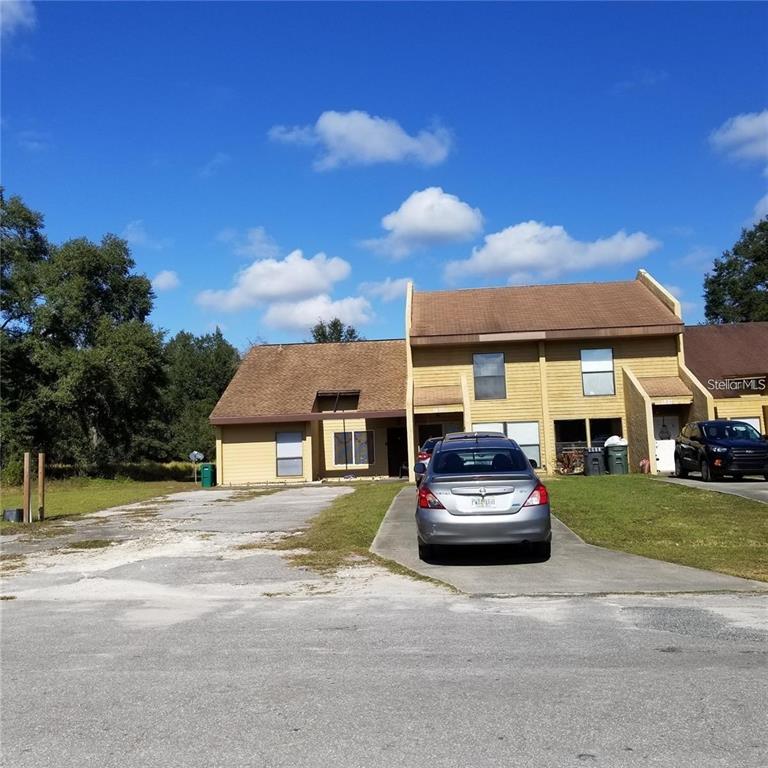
(480,461)
(429,445)
(735,430)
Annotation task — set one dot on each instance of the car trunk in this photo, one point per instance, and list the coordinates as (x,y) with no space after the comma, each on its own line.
(502,495)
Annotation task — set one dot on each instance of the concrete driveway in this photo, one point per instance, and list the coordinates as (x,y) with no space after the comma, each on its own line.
(749,488)
(574,568)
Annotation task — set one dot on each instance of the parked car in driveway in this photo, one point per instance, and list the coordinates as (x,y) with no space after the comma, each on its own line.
(721,447)
(425,454)
(481,490)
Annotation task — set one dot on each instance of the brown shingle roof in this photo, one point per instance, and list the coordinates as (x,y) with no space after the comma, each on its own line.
(278,381)
(442,395)
(665,386)
(540,308)
(726,351)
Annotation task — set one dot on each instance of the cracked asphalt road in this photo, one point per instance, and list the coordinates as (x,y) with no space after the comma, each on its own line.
(177,647)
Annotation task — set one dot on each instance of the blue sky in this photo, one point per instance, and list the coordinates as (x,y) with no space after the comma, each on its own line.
(457,144)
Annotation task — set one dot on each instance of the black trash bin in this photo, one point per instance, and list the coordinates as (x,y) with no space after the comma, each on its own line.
(616,459)
(594,461)
(15,515)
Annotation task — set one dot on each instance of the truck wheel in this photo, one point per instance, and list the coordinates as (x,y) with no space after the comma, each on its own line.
(680,470)
(706,474)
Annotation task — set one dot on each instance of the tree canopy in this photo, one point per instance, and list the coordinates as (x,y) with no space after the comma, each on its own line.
(333,330)
(736,291)
(85,377)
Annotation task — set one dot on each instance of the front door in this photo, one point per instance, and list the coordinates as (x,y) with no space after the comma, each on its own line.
(397,452)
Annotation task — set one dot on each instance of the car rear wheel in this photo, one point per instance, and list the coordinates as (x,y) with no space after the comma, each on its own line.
(426,552)
(543,549)
(680,470)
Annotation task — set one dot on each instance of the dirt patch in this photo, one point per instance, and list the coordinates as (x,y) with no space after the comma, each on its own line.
(90,544)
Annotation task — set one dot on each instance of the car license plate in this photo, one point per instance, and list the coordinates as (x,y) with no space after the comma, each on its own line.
(483,502)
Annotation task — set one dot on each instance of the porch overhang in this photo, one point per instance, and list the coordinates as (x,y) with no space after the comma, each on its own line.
(666,390)
(438,399)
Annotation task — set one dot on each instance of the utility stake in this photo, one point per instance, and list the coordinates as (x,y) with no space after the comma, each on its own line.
(41,487)
(27,499)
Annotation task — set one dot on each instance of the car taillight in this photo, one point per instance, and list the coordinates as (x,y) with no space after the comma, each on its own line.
(539,495)
(428,500)
(423,456)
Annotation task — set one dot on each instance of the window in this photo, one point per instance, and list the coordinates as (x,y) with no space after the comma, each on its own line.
(601,429)
(597,372)
(364,443)
(353,448)
(489,376)
(524,433)
(290,462)
(480,461)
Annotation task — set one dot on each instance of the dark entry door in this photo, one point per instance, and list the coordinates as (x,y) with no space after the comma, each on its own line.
(397,451)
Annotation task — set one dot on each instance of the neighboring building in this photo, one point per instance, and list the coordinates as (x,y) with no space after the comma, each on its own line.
(297,412)
(556,367)
(731,361)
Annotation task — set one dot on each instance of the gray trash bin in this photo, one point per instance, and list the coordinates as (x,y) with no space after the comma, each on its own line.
(594,461)
(15,515)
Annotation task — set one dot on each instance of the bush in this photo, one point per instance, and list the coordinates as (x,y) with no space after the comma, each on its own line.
(138,470)
(13,472)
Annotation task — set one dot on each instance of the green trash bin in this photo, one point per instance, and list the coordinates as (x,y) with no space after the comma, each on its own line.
(616,459)
(208,475)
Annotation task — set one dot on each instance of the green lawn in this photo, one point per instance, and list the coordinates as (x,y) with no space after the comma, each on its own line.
(344,529)
(646,516)
(79,496)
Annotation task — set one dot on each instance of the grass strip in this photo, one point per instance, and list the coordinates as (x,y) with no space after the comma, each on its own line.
(343,531)
(81,496)
(647,516)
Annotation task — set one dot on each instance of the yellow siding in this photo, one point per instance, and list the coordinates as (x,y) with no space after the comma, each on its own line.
(249,454)
(379,468)
(743,407)
(639,418)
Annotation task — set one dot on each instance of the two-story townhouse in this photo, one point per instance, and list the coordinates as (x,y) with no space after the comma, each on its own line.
(556,367)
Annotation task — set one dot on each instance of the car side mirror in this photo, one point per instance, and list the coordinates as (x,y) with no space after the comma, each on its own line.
(420,468)
(533,463)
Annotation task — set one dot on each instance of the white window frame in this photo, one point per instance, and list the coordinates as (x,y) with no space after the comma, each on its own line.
(591,363)
(502,376)
(353,457)
(286,450)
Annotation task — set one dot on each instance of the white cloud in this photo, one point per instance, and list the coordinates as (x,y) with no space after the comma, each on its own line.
(761,208)
(257,244)
(16,15)
(302,315)
(165,280)
(533,249)
(271,279)
(743,137)
(214,165)
(357,138)
(136,234)
(428,217)
(386,290)
(699,257)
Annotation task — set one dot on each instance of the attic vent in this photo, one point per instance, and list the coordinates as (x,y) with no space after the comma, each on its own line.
(337,400)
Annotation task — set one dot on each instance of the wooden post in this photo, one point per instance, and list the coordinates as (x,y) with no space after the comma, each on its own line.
(41,487)
(27,499)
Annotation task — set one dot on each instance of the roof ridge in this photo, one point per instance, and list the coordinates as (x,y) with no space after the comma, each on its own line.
(528,285)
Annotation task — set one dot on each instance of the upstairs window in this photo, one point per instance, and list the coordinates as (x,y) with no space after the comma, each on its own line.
(490,383)
(597,372)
